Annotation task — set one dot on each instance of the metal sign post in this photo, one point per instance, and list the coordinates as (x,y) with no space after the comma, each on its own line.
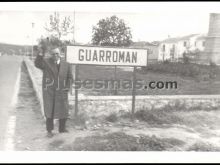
(76,90)
(71,81)
(133,92)
(115,78)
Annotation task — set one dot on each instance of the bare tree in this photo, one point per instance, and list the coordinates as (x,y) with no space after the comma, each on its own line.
(59,27)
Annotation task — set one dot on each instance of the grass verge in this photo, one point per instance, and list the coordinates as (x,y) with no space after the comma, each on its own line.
(120,141)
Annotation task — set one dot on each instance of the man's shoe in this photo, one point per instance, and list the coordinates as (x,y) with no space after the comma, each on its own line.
(50,134)
(64,131)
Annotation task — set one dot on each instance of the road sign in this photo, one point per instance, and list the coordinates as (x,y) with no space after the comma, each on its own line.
(92,55)
(106,56)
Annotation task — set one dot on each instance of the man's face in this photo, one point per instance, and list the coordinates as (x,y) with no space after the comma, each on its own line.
(55,55)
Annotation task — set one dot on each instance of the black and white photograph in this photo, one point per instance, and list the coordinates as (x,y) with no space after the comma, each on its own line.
(133,77)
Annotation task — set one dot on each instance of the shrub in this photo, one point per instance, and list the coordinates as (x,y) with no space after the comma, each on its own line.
(80,119)
(158,116)
(166,62)
(183,69)
(176,106)
(112,117)
(204,147)
(119,141)
(185,59)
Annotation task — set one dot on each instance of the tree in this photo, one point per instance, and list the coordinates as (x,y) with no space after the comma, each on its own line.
(111,32)
(48,43)
(59,27)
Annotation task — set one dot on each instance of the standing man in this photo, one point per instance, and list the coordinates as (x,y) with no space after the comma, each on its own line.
(57,78)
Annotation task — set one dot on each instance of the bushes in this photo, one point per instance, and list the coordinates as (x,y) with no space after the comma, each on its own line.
(80,119)
(186,59)
(112,117)
(204,147)
(183,69)
(157,116)
(175,68)
(119,141)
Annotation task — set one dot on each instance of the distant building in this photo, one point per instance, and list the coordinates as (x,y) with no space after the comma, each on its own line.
(151,47)
(172,49)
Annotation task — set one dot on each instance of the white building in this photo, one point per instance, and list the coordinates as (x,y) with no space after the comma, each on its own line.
(172,49)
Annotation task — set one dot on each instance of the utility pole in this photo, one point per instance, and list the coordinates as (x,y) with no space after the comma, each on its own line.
(32,48)
(76,70)
(26,47)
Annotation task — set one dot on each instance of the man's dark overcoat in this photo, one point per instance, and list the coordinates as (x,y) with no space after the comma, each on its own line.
(55,84)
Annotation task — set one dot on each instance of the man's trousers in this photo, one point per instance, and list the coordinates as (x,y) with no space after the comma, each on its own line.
(50,124)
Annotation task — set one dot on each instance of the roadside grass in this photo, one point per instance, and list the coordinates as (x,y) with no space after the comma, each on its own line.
(55,145)
(156,117)
(79,120)
(112,117)
(197,71)
(199,119)
(178,113)
(203,147)
(181,105)
(185,85)
(120,141)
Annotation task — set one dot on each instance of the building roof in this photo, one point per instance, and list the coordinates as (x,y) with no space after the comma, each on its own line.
(144,44)
(203,37)
(176,39)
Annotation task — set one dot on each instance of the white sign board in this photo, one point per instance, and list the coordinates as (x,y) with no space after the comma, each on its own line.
(106,56)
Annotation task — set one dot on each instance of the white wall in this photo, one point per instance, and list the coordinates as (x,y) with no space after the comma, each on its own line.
(180,48)
(192,43)
(199,44)
(167,56)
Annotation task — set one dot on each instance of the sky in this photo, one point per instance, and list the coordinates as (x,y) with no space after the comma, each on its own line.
(149,21)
